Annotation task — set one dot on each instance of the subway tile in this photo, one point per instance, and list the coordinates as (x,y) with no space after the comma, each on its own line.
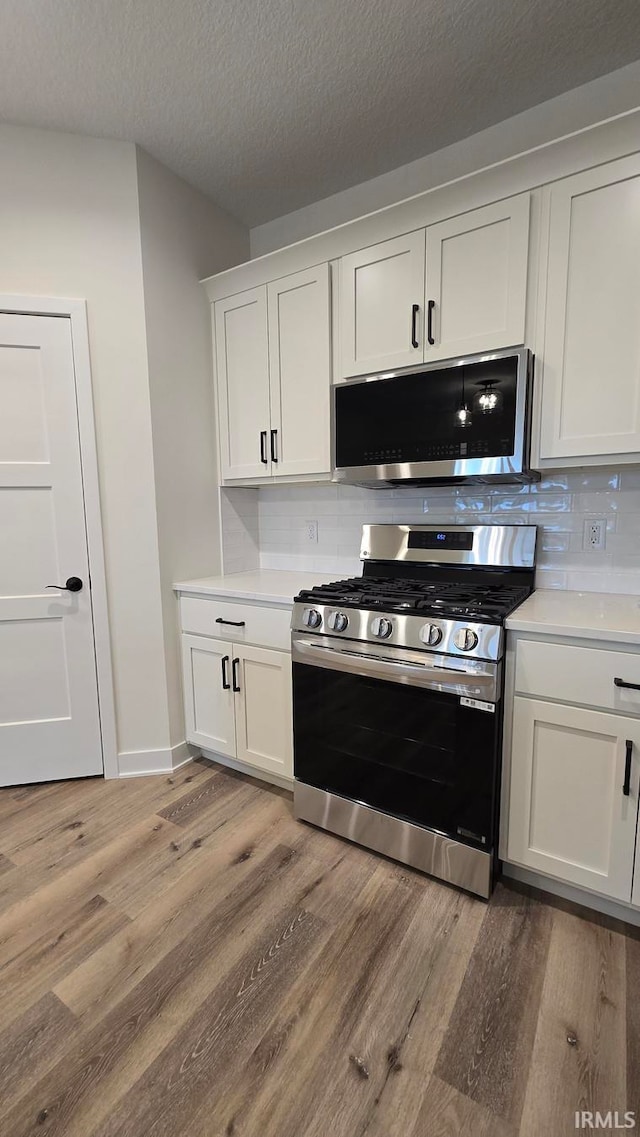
(623,501)
(550,578)
(539,503)
(580,581)
(472,503)
(630,478)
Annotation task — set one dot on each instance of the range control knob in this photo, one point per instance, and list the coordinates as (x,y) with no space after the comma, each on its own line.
(431,634)
(381,628)
(338,621)
(311,618)
(465,639)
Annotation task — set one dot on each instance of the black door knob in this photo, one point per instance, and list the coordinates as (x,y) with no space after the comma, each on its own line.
(74,584)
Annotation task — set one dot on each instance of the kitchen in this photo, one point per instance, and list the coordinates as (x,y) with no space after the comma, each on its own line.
(365,636)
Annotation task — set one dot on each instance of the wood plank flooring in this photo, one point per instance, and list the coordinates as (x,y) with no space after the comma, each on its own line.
(180,958)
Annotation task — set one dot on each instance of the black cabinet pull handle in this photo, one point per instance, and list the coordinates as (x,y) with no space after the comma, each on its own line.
(631,686)
(430,306)
(74,584)
(226,686)
(626,789)
(231,623)
(274,446)
(263,447)
(414,319)
(234,674)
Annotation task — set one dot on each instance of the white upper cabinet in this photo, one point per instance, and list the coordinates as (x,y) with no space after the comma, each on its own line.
(456,288)
(273,373)
(591,353)
(300,373)
(382,306)
(574,794)
(476,283)
(242,369)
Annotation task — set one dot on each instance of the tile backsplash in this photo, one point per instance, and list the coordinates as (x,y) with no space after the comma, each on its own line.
(270,526)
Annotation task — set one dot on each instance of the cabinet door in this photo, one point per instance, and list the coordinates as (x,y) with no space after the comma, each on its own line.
(591,358)
(242,376)
(300,372)
(208,704)
(379,287)
(568,815)
(476,286)
(264,725)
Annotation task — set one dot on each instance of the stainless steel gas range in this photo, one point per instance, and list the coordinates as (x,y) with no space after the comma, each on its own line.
(398,685)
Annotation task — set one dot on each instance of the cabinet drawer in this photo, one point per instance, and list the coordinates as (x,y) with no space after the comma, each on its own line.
(578,675)
(247,623)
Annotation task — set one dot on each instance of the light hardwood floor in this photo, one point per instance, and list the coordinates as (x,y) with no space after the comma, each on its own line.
(180,958)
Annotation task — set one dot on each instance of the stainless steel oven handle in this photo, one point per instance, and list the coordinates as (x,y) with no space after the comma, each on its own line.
(357,662)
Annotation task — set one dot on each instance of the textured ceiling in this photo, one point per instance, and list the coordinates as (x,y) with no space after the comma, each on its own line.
(268,105)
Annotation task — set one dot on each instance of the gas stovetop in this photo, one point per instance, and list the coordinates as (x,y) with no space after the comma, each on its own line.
(489,603)
(446,590)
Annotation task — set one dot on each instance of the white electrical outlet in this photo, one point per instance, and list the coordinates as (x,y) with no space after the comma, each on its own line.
(311,532)
(595,534)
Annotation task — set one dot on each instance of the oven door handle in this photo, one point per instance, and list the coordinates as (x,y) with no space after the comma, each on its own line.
(457,680)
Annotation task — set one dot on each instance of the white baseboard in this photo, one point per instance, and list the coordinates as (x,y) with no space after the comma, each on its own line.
(615,908)
(245,768)
(138,763)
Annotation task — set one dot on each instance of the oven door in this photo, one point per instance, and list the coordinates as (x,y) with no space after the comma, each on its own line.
(411,734)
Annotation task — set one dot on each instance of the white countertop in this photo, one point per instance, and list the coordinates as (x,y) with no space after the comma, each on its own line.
(585,615)
(264,585)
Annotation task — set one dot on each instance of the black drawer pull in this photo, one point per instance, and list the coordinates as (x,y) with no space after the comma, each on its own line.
(226,686)
(626,789)
(234,673)
(263,447)
(630,686)
(231,623)
(414,319)
(274,446)
(430,306)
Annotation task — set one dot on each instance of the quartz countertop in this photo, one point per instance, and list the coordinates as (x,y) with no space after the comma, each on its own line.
(268,586)
(582,615)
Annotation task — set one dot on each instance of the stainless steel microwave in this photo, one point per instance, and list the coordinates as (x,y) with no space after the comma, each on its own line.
(461,419)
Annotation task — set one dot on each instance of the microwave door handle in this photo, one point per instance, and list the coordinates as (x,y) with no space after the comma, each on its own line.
(430,306)
(415,308)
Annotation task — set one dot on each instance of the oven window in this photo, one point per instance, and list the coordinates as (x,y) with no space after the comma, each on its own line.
(412,418)
(413,753)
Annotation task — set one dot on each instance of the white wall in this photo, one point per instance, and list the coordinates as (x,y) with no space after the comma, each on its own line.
(72,225)
(69,227)
(184,237)
(611,95)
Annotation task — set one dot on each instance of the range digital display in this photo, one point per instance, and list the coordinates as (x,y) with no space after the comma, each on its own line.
(437,539)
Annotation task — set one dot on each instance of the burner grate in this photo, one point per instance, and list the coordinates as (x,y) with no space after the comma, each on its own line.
(423,597)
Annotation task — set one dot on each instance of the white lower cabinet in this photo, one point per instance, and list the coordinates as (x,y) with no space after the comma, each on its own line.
(238,702)
(263,710)
(208,694)
(573,807)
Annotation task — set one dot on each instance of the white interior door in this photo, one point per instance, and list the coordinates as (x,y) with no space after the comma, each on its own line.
(300,371)
(49,720)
